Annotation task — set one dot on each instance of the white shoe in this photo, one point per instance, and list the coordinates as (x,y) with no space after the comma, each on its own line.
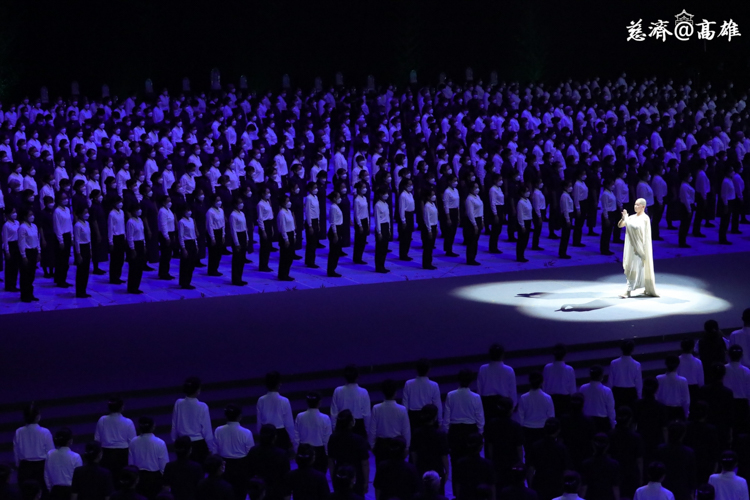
(625,295)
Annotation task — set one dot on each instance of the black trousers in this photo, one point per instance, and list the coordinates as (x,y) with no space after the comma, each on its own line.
(537,233)
(532,435)
(523,240)
(360,239)
(381,246)
(449,231)
(405,231)
(490,406)
(166,247)
(215,250)
(564,239)
(187,263)
(457,434)
(675,413)
(724,213)
(617,231)
(334,248)
(359,427)
(472,239)
(381,450)
(117,257)
(235,473)
(135,266)
(28,272)
(12,265)
(114,460)
(624,396)
(579,220)
(735,209)
(82,269)
(497,227)
(321,459)
(602,424)
(562,404)
(700,213)
(199,451)
(428,245)
(607,226)
(32,470)
(238,258)
(150,483)
(286,255)
(265,244)
(685,220)
(60,492)
(62,259)
(311,241)
(656,210)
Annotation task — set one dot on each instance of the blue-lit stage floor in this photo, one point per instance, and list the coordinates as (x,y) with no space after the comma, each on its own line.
(104,294)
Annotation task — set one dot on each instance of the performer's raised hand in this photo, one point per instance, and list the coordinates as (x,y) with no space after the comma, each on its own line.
(624,214)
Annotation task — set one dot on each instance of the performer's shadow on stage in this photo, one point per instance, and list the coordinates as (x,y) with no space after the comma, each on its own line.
(599,300)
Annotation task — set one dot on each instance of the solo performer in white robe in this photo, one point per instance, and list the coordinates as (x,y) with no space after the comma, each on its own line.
(638,256)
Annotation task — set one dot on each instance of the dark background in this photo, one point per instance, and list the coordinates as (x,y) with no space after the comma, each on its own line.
(121,43)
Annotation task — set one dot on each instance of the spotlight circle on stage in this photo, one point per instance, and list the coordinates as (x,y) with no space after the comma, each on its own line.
(597,301)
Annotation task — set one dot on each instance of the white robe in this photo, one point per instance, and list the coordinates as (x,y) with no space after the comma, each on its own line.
(638,256)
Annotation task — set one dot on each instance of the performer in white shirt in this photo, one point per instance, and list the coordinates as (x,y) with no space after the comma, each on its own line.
(233,442)
(598,402)
(216,230)
(116,237)
(287,230)
(534,408)
(452,215)
(30,249)
(149,455)
(58,470)
(361,221)
(314,429)
(188,249)
(497,208)
(429,228)
(190,417)
(463,415)
(82,247)
(136,240)
(420,392)
(525,214)
(354,398)
(114,432)
(274,409)
(167,236)
(727,197)
(312,224)
(31,445)
(239,240)
(656,472)
(406,209)
(673,390)
(63,227)
(638,257)
(609,216)
(727,484)
(265,229)
(389,420)
(474,223)
(382,230)
(687,207)
(741,337)
(625,378)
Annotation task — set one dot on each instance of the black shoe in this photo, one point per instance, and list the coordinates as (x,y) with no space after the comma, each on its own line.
(498,252)
(61,285)
(710,224)
(699,235)
(406,259)
(522,260)
(537,248)
(216,274)
(296,257)
(248,261)
(451,254)
(735,232)
(148,268)
(239,283)
(594,233)
(564,256)
(333,275)
(343,254)
(265,270)
(188,287)
(473,263)
(382,271)
(83,296)
(166,277)
(429,268)
(12,289)
(116,282)
(274,249)
(658,238)
(226,252)
(671,228)
(578,245)
(200,264)
(683,245)
(47,275)
(320,245)
(553,236)
(35,299)
(608,253)
(136,292)
(286,278)
(312,266)
(512,240)
(725,242)
(98,272)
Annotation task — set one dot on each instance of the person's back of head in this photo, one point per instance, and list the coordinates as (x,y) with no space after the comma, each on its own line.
(267,435)
(551,427)
(711,326)
(305,456)
(343,479)
(388,388)
(431,482)
(655,472)
(115,404)
(627,347)
(735,353)
(256,488)
(571,482)
(699,411)
(728,461)
(344,420)
(474,442)
(483,492)
(576,404)
(31,490)
(650,387)
(397,448)
(191,387)
(351,374)
(624,416)
(93,452)
(518,475)
(676,432)
(497,352)
(505,406)
(423,367)
(535,380)
(63,437)
(428,414)
(233,413)
(465,378)
(559,351)
(128,478)
(312,399)
(31,414)
(687,346)
(213,465)
(705,492)
(183,445)
(718,370)
(600,444)
(672,362)
(596,373)
(273,381)
(146,425)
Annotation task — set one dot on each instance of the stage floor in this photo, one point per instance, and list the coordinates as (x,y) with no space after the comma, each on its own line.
(107,349)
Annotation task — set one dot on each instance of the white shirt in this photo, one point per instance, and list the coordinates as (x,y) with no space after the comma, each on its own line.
(727,190)
(274,409)
(382,214)
(285,222)
(313,428)
(233,440)
(61,222)
(389,420)
(643,190)
(361,210)
(580,193)
(538,202)
(354,398)
(729,486)
(653,491)
(450,199)
(165,220)
(524,210)
(191,418)
(673,391)
(474,208)
(187,231)
(28,237)
(32,442)
(737,379)
(58,471)
(625,372)
(265,212)
(335,216)
(691,368)
(215,221)
(463,407)
(114,431)
(421,391)
(535,408)
(497,197)
(237,225)
(134,231)
(430,214)
(10,233)
(312,208)
(738,337)
(608,201)
(559,378)
(598,401)
(497,379)
(148,452)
